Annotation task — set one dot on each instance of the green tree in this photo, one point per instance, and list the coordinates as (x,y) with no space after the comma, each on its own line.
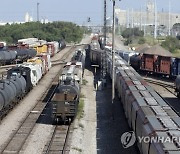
(50,31)
(171,44)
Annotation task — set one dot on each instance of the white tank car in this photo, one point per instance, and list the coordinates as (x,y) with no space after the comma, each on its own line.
(76,69)
(36,72)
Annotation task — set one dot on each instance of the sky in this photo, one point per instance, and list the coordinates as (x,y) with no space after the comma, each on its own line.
(72,10)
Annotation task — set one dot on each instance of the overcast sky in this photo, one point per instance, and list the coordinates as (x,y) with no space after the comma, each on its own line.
(71,10)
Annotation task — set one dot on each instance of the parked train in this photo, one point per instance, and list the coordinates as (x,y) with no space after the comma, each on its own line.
(95,52)
(20,80)
(147,113)
(156,64)
(28,48)
(66,98)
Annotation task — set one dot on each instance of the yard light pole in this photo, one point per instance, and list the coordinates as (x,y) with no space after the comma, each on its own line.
(38,11)
(113,35)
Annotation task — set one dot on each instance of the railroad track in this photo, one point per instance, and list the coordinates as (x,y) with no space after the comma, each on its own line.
(19,137)
(59,141)
(169,87)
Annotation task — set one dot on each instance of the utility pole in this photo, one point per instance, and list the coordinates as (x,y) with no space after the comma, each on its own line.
(113,44)
(145,18)
(141,19)
(155,19)
(38,11)
(127,18)
(105,7)
(103,54)
(132,18)
(169,27)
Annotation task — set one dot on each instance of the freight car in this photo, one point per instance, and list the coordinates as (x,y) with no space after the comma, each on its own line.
(16,56)
(62,44)
(156,60)
(20,80)
(14,88)
(147,113)
(66,98)
(155,64)
(79,56)
(95,53)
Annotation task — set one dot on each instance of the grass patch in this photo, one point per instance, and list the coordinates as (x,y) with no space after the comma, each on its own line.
(82,95)
(80,112)
(84,82)
(176,53)
(77,149)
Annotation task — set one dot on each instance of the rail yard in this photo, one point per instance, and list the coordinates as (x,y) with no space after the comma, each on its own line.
(48,124)
(87,88)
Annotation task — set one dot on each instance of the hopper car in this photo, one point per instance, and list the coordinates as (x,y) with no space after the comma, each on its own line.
(148,115)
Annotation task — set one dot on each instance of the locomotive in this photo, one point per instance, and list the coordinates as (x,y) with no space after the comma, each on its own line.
(67,94)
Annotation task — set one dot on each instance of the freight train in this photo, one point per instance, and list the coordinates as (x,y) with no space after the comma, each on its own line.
(148,115)
(21,79)
(95,52)
(67,94)
(156,64)
(28,48)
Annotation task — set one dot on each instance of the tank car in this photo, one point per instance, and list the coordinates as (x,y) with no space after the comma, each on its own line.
(66,98)
(7,57)
(12,90)
(24,72)
(62,44)
(24,54)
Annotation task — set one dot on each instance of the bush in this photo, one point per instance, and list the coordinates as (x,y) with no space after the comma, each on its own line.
(171,44)
(142,40)
(50,31)
(129,32)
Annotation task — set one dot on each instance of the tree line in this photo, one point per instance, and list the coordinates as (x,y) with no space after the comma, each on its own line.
(170,43)
(54,31)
